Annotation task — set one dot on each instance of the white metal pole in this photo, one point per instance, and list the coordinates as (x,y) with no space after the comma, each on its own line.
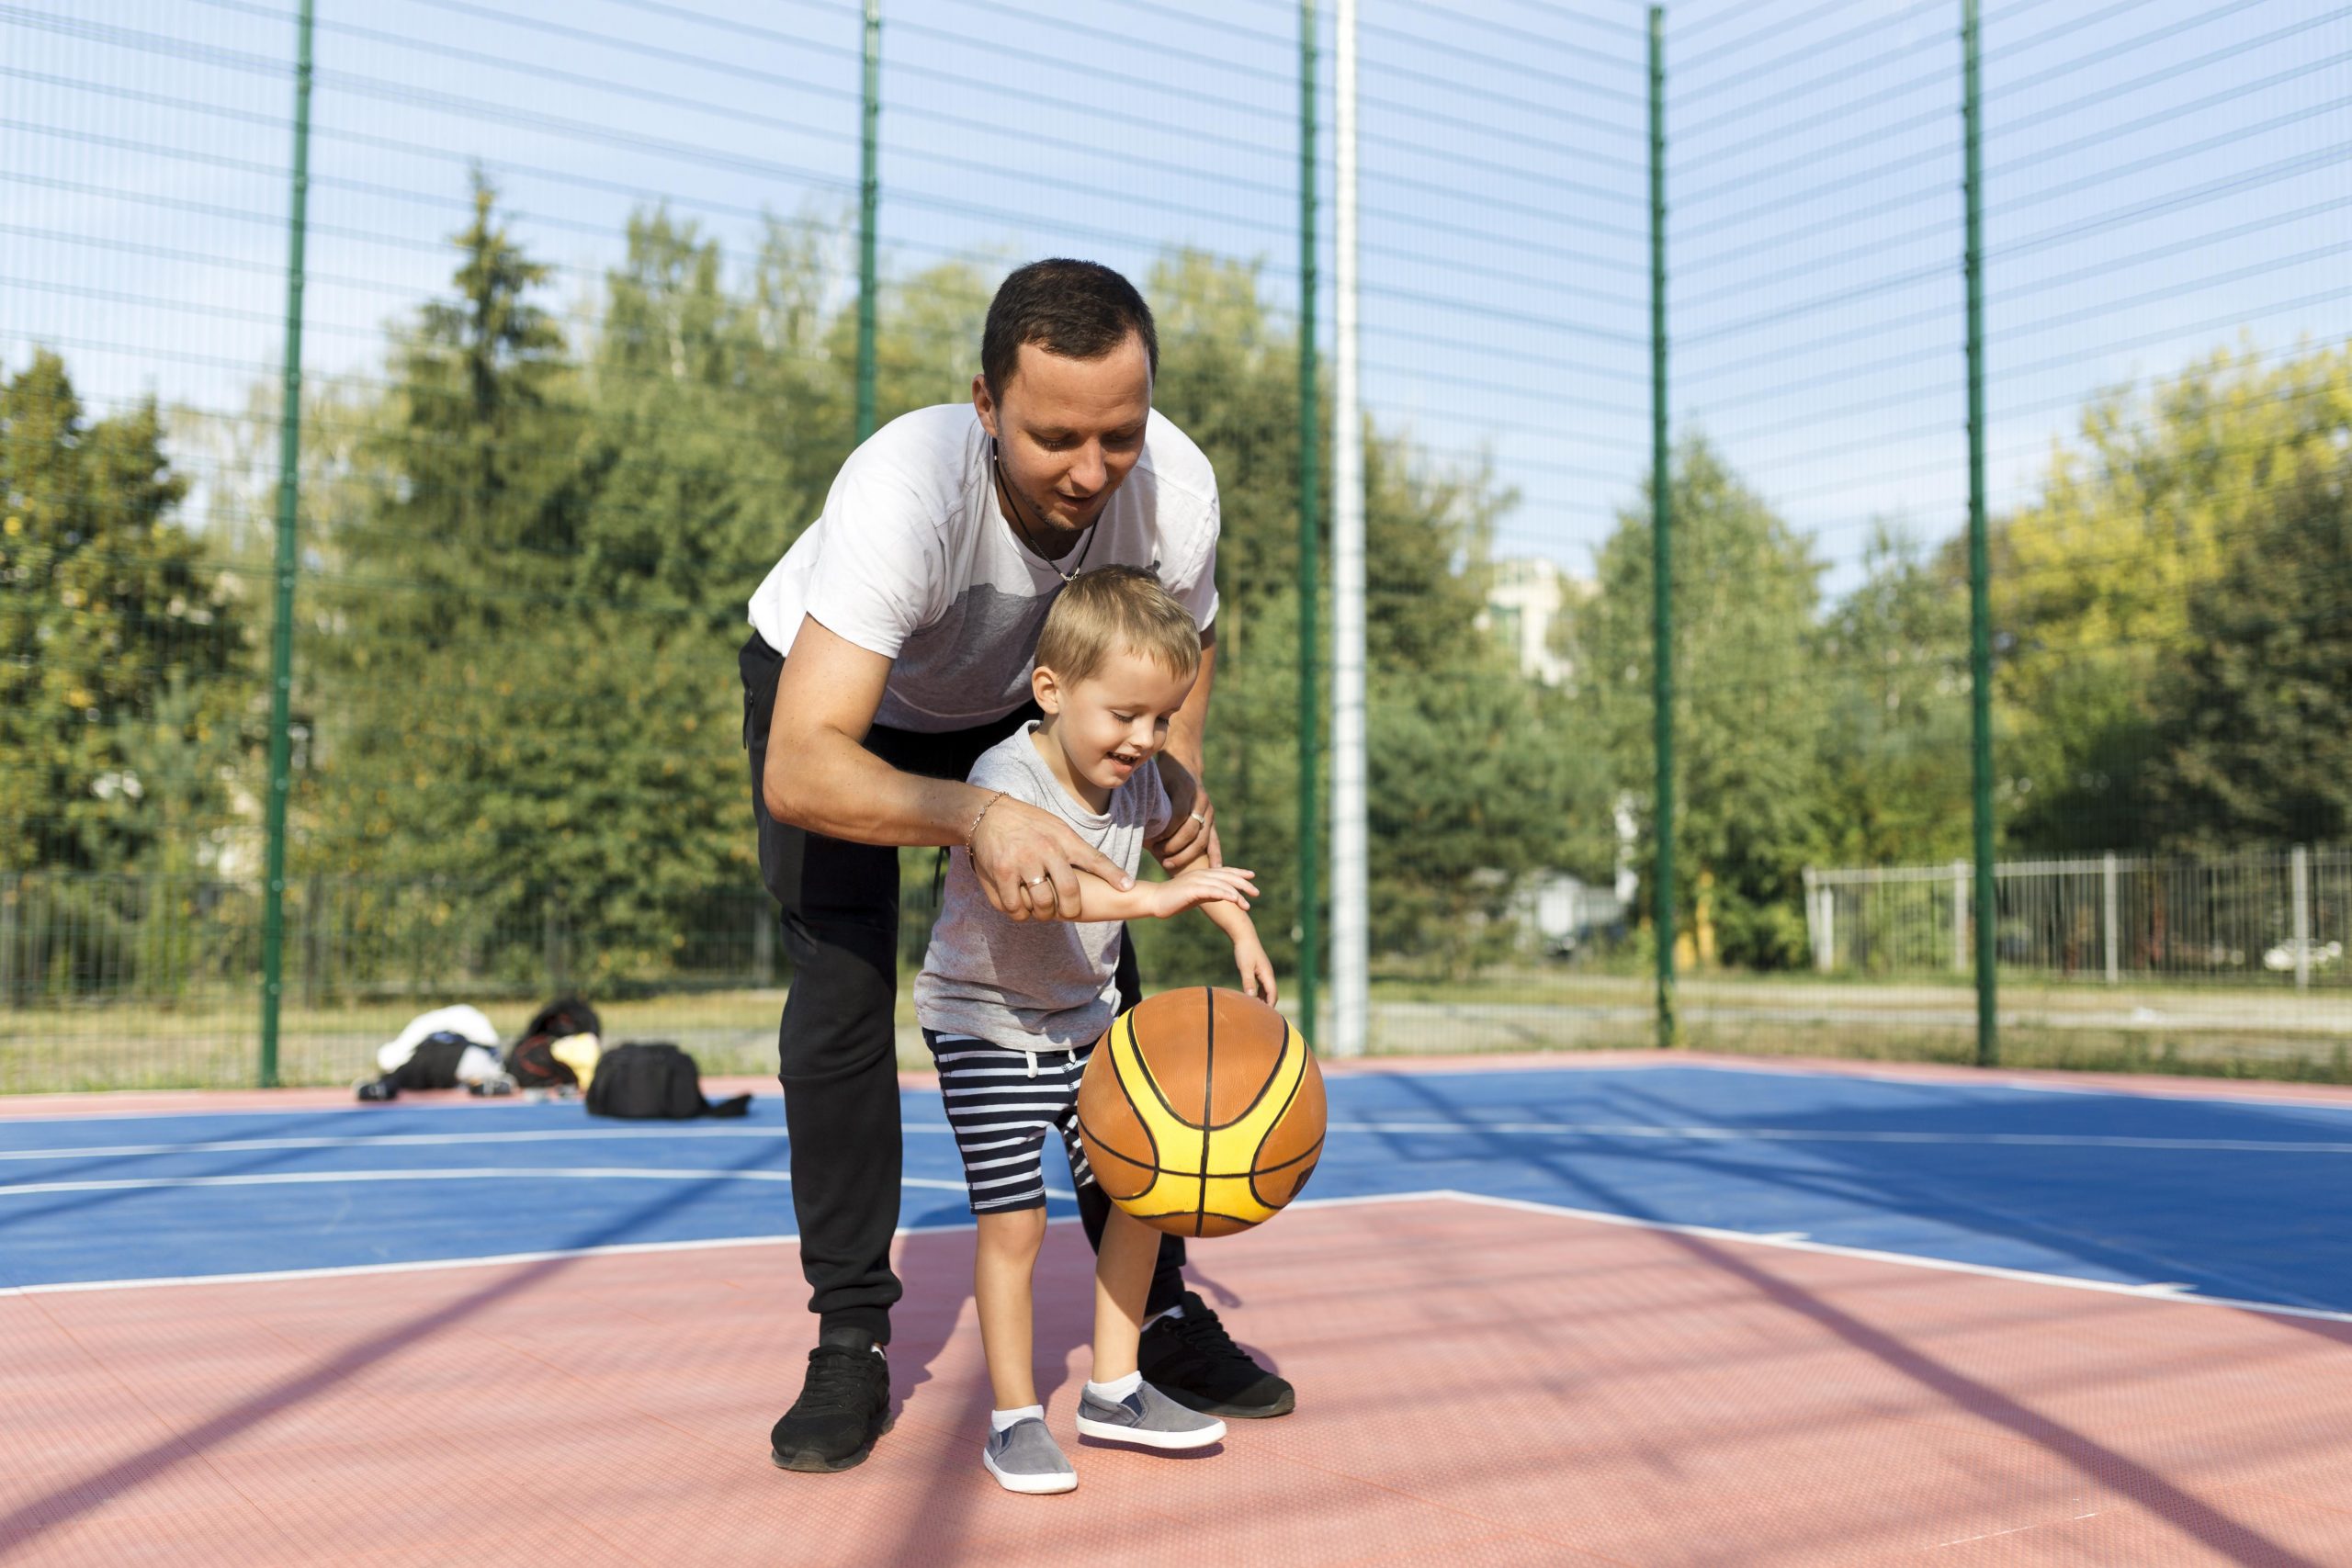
(2302,869)
(2108,924)
(1350,883)
(1812,921)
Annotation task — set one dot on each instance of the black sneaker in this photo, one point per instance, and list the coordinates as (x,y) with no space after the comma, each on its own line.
(1191,1359)
(843,1406)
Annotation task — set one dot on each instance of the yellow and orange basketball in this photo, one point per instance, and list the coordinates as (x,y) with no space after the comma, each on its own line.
(1201,1111)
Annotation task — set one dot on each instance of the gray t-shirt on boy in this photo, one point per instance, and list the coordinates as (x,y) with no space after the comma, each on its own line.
(1034,985)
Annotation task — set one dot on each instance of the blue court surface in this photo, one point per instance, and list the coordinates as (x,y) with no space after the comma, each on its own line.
(2245,1200)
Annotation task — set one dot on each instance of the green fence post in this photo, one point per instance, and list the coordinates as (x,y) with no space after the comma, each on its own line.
(1309,504)
(1670,1030)
(281,641)
(869,197)
(1980,612)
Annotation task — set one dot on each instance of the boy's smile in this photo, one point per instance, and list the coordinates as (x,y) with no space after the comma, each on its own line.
(1098,731)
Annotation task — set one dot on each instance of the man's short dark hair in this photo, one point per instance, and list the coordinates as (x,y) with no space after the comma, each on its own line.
(1079,310)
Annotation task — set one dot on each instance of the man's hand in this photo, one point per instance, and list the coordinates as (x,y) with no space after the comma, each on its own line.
(1028,859)
(1191,837)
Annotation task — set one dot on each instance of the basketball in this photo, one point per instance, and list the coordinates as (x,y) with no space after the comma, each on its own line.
(1201,1111)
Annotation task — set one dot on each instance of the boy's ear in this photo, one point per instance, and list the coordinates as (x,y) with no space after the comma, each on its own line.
(1047,689)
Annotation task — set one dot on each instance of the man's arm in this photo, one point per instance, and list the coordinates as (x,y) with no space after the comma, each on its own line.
(820,776)
(1191,828)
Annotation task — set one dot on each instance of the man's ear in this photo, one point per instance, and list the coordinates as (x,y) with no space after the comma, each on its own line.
(1047,689)
(984,405)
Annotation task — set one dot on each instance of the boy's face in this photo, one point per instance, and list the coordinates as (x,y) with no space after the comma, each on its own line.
(1115,720)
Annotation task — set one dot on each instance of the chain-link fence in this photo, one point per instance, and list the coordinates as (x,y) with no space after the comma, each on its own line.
(579,342)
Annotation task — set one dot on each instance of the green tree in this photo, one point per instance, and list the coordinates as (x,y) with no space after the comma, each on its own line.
(1748,710)
(122,644)
(2094,578)
(1472,774)
(1894,740)
(452,594)
(2257,746)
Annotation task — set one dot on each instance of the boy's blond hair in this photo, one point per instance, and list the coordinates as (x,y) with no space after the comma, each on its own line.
(1114,608)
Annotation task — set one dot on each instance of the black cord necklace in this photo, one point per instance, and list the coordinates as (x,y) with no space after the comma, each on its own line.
(1021,528)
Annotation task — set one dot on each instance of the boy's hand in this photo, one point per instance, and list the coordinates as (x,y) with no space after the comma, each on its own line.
(1201,885)
(1256,969)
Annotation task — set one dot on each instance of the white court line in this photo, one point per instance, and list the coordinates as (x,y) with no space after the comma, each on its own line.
(2164,1292)
(2034,1086)
(1810,1136)
(390,1141)
(479,1173)
(1370,1068)
(358,1271)
(1785,1240)
(1536,1129)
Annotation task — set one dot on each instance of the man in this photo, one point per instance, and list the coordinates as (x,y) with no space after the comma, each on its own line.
(891,647)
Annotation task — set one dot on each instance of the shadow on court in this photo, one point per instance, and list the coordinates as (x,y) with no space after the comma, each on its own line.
(2095,1462)
(49,1511)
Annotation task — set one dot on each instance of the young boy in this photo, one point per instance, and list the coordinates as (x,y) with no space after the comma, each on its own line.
(1012,1009)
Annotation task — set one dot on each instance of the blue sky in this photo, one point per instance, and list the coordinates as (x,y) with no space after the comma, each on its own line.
(2161,177)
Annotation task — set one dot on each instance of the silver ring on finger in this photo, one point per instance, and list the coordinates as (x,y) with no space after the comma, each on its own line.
(1037,881)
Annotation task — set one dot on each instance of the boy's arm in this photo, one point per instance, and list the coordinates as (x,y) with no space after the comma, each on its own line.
(1214,888)
(1250,958)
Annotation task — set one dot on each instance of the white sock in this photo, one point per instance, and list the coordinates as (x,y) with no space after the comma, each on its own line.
(1002,1420)
(1111,1392)
(1176,1311)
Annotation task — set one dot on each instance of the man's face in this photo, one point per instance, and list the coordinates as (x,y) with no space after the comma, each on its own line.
(1069,432)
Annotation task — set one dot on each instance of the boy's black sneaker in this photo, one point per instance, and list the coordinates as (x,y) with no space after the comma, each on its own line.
(1191,1359)
(843,1406)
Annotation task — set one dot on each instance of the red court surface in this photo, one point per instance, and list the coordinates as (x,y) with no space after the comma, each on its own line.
(1479,1384)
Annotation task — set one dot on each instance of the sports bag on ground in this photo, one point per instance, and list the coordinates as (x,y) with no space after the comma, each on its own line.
(532,1063)
(654,1081)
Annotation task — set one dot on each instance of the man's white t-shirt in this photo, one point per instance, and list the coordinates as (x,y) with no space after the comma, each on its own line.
(913,559)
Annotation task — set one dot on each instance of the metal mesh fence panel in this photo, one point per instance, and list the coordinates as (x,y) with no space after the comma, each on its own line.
(582,317)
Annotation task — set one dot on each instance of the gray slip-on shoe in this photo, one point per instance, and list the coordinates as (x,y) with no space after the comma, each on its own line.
(1024,1458)
(1146,1416)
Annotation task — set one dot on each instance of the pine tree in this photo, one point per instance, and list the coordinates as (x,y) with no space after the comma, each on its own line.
(122,646)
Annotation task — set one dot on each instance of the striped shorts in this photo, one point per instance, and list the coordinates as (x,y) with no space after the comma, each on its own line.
(1001,1106)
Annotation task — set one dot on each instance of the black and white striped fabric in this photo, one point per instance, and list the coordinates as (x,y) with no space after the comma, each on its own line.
(1001,1106)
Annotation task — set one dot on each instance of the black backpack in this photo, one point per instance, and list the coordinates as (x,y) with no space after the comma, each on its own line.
(654,1081)
(531,1063)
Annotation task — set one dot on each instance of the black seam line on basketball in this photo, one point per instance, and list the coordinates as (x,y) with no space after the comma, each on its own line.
(1119,1081)
(1252,1176)
(1143,1064)
(1235,1175)
(1292,1099)
(1209,1097)
(1103,1144)
(1309,1157)
(1279,1058)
